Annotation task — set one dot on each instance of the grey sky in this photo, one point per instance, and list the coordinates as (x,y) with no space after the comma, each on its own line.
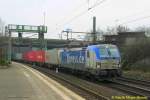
(59,12)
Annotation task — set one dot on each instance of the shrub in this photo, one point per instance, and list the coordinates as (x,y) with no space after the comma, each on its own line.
(135,52)
(3,62)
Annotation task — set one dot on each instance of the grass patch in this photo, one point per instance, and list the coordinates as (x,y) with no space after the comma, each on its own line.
(139,70)
(3,62)
(136,74)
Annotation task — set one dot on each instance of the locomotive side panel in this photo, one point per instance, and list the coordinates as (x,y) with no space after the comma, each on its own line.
(73,59)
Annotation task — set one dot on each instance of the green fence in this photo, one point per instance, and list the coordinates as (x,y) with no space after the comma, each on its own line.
(3,51)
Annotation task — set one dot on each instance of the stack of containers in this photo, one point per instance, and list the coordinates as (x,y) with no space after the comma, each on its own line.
(34,56)
(52,56)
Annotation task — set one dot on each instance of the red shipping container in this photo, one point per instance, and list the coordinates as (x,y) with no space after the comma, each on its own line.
(40,56)
(34,56)
(31,56)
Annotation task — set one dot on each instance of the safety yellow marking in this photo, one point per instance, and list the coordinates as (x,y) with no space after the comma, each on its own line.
(26,74)
(54,84)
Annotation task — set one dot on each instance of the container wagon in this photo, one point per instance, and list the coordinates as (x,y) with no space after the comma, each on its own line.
(52,59)
(34,57)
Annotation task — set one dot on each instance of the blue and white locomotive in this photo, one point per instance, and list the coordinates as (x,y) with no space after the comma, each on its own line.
(98,60)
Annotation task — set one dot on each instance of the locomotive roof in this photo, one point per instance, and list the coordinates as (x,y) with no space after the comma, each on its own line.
(101,45)
(90,46)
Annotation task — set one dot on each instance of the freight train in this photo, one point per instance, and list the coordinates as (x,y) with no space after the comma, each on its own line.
(101,60)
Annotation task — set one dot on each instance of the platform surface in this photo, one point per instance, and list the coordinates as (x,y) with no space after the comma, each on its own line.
(20,82)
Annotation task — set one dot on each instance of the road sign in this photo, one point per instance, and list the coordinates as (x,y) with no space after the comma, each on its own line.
(27,28)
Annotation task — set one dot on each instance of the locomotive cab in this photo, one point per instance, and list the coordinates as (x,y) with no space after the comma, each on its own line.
(104,60)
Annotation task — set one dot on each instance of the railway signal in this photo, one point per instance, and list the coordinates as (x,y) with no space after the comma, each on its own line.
(26,28)
(93,32)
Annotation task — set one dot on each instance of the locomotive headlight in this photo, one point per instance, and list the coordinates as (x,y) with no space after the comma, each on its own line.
(119,65)
(98,64)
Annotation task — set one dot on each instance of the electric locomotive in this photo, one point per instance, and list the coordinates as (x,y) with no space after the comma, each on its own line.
(101,60)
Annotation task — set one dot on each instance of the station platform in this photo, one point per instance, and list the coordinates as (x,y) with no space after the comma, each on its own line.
(20,82)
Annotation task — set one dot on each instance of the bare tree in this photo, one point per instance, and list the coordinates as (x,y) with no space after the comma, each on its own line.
(99,35)
(115,30)
(121,28)
(109,31)
(144,29)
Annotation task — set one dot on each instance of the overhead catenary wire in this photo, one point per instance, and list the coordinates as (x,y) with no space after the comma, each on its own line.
(88,2)
(77,8)
(31,36)
(129,16)
(135,20)
(98,2)
(90,8)
(59,26)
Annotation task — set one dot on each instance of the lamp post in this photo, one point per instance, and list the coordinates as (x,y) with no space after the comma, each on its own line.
(94,30)
(9,48)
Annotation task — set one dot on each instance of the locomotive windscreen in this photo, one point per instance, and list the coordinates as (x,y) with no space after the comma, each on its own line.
(113,52)
(103,52)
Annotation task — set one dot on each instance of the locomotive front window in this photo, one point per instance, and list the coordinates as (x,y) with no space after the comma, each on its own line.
(103,52)
(113,52)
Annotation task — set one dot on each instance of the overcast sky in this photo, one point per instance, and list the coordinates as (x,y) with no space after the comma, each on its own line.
(60,14)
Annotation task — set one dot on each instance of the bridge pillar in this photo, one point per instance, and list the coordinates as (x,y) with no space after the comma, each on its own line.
(42,42)
(19,35)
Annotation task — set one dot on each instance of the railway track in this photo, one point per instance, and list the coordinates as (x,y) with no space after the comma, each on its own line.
(97,95)
(129,87)
(135,81)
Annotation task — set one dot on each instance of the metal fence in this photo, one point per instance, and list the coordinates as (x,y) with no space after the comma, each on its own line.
(3,48)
